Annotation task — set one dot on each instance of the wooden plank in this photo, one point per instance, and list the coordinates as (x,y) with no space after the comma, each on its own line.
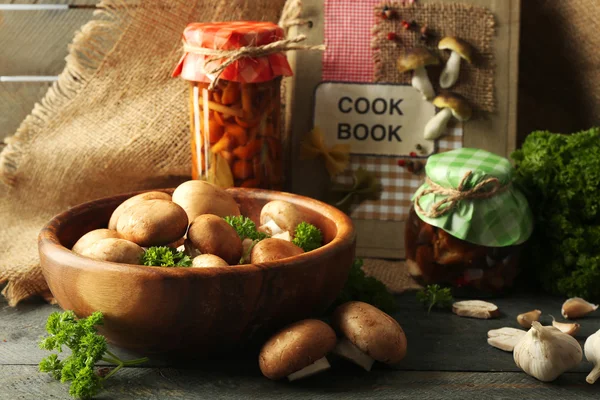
(35,42)
(25,382)
(70,2)
(439,341)
(16,102)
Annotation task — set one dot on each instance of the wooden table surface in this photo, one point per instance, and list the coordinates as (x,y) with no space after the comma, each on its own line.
(448,358)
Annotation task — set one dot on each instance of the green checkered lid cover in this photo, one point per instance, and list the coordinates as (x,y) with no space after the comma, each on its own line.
(503,219)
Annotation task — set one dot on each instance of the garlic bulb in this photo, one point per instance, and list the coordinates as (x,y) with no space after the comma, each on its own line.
(592,354)
(545,352)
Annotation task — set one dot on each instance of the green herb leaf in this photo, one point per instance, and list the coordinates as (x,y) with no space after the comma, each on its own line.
(368,289)
(307,236)
(560,176)
(87,348)
(434,295)
(245,227)
(163,256)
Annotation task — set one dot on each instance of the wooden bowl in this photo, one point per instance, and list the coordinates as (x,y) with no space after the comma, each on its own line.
(196,311)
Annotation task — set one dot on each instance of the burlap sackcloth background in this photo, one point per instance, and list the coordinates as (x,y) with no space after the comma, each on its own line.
(115,121)
(475,25)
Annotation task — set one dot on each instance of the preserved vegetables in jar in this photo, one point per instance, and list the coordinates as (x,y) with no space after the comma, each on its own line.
(235,104)
(468,223)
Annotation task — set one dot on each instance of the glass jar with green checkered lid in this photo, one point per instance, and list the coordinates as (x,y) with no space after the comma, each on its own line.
(468,222)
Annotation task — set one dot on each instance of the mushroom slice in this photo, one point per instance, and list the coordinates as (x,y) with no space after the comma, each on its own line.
(297,351)
(475,309)
(451,105)
(416,60)
(369,335)
(460,50)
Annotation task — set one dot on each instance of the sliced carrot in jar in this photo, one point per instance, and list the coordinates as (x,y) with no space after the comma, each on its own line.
(220,118)
(215,131)
(235,129)
(242,169)
(231,93)
(247,123)
(227,155)
(216,96)
(225,143)
(248,151)
(274,148)
(248,93)
(241,137)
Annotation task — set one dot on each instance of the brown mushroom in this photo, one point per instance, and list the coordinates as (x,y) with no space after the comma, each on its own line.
(416,60)
(208,260)
(92,237)
(153,223)
(211,234)
(451,105)
(112,224)
(460,50)
(273,249)
(297,351)
(200,197)
(369,335)
(114,250)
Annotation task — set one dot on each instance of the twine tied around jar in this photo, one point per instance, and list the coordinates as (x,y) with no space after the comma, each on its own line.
(479,191)
(231,56)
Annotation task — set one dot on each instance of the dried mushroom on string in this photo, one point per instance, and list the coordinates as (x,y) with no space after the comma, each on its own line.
(460,50)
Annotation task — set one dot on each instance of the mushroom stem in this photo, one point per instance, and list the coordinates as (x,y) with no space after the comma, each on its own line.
(593,375)
(450,72)
(271,228)
(349,351)
(421,82)
(437,125)
(320,365)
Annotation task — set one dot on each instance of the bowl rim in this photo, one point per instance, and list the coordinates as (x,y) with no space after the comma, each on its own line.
(48,240)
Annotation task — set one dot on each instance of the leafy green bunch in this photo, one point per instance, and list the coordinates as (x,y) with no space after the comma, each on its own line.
(163,256)
(368,289)
(435,295)
(245,227)
(560,176)
(87,348)
(307,236)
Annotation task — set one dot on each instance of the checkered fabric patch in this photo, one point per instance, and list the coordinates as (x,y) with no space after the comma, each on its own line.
(398,183)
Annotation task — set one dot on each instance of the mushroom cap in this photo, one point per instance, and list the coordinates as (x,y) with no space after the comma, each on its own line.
(272,249)
(461,110)
(208,260)
(295,347)
(213,235)
(416,58)
(459,46)
(371,330)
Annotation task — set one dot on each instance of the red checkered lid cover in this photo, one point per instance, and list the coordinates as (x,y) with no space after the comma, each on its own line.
(231,36)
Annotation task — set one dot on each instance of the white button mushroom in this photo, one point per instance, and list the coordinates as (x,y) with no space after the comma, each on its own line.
(112,224)
(451,105)
(279,216)
(114,250)
(460,49)
(416,60)
(208,260)
(369,335)
(297,351)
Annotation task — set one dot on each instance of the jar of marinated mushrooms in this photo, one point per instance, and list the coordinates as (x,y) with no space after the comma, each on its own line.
(234,101)
(467,223)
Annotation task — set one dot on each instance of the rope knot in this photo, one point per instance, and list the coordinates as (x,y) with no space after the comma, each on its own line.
(483,190)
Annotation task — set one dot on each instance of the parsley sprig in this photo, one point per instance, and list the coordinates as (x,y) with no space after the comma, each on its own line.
(163,256)
(245,227)
(87,348)
(435,295)
(307,236)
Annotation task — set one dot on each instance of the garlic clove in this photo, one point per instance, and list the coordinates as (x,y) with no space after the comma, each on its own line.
(505,338)
(475,309)
(577,307)
(545,352)
(592,354)
(566,327)
(527,318)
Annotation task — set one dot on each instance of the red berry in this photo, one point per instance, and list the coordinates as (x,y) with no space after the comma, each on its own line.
(391,36)
(401,163)
(405,25)
(413,154)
